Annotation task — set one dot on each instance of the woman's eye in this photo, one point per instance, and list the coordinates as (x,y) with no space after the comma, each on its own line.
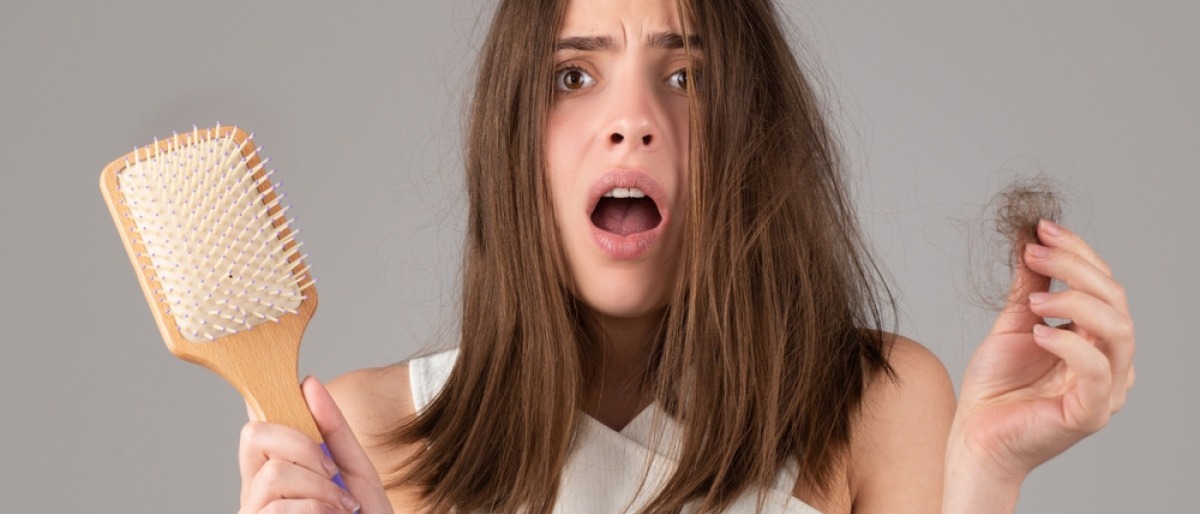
(572,79)
(678,80)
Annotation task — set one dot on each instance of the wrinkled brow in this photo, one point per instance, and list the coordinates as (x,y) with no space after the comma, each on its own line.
(664,40)
(586,43)
(671,41)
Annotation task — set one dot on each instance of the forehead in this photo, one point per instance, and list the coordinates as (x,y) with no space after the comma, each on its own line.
(627,18)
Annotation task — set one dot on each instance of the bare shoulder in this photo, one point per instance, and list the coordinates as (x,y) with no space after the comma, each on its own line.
(375,401)
(920,376)
(899,439)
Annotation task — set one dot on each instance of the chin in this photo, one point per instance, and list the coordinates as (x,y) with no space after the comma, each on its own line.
(623,294)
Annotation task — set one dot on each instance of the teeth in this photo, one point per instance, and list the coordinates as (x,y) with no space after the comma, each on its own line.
(625,192)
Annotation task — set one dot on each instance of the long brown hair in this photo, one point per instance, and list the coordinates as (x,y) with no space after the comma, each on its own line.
(775,324)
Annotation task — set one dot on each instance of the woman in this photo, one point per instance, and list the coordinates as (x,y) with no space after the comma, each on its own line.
(658,224)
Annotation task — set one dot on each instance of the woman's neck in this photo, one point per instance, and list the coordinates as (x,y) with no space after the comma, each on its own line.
(625,345)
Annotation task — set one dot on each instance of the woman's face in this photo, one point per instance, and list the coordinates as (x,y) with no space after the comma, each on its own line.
(616,145)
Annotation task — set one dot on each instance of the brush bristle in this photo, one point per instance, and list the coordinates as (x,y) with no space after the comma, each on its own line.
(224,260)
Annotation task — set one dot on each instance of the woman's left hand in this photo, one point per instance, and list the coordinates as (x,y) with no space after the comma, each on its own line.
(1031,391)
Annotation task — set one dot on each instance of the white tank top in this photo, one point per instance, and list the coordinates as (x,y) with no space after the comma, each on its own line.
(605,474)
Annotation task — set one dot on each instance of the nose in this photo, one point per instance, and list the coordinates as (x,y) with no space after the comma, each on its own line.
(618,138)
(635,122)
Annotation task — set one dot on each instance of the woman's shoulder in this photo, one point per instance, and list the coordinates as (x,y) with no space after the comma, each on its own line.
(899,439)
(917,369)
(919,392)
(375,401)
(378,399)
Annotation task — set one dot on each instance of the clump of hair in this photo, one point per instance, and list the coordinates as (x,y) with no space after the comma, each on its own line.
(1009,222)
(1020,206)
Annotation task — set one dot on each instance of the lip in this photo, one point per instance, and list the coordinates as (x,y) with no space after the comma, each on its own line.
(631,246)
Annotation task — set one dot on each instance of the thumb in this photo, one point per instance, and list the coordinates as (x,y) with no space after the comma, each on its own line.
(356,469)
(1016,315)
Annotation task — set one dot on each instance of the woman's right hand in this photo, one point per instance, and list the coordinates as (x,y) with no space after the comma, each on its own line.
(285,471)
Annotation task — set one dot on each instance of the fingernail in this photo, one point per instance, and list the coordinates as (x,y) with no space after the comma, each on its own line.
(330,468)
(348,502)
(1041,331)
(1051,228)
(1038,250)
(1038,297)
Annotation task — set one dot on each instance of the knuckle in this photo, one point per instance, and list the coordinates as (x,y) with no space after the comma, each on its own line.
(1117,403)
(252,432)
(1120,293)
(333,496)
(1099,368)
(1104,368)
(1125,329)
(1095,419)
(1074,259)
(291,507)
(272,473)
(1099,421)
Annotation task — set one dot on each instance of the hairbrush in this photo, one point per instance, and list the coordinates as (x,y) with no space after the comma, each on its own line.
(218,263)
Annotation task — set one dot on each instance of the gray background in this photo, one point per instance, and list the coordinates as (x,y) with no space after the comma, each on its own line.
(938,103)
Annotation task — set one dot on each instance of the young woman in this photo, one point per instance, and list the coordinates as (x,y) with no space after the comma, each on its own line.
(667,306)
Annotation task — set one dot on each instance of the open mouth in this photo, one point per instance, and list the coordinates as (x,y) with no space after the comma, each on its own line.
(626,211)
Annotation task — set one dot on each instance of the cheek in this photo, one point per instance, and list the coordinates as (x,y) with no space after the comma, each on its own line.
(565,131)
(559,149)
(681,128)
(566,149)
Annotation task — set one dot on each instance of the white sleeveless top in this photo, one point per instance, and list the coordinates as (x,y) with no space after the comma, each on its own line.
(604,474)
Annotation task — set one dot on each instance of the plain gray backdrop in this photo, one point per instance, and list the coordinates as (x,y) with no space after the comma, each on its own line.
(938,103)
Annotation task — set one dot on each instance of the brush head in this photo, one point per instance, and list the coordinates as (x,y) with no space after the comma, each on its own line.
(206,225)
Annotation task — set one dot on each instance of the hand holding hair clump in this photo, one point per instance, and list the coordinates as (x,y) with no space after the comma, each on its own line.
(1032,390)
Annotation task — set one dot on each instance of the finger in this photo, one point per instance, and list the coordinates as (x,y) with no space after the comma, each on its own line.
(1113,329)
(361,478)
(1086,405)
(1129,380)
(262,442)
(1016,316)
(282,480)
(1054,235)
(1077,273)
(1122,383)
(301,506)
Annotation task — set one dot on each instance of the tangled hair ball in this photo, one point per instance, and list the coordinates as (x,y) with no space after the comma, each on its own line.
(1019,207)
(1007,223)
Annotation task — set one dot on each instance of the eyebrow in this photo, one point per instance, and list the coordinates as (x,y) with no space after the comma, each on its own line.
(586,43)
(664,40)
(672,41)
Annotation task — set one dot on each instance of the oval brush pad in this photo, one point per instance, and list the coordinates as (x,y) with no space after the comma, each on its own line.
(218,263)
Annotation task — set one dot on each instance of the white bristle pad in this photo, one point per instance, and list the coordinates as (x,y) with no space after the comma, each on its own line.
(219,255)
